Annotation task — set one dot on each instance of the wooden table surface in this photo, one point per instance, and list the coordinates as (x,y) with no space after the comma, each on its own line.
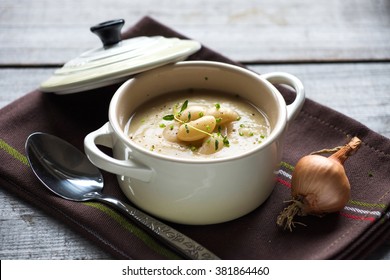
(339,49)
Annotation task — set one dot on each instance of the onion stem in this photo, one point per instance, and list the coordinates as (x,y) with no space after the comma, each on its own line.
(326,151)
(346,151)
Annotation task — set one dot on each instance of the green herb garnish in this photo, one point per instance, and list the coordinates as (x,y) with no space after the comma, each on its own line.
(169,117)
(184,106)
(193,148)
(226,141)
(172,116)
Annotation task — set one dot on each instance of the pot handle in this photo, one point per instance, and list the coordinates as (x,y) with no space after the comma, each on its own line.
(129,168)
(290,80)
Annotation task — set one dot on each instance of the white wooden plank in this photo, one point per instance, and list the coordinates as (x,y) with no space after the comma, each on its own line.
(358,90)
(34,32)
(28,233)
(15,83)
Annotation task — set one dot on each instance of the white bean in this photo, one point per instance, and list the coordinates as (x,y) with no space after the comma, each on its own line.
(170,132)
(212,144)
(192,113)
(196,130)
(223,115)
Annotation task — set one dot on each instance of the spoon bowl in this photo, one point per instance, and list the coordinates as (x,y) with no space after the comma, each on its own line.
(67,172)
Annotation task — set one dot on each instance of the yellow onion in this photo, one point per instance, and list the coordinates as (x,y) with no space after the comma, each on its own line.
(319,184)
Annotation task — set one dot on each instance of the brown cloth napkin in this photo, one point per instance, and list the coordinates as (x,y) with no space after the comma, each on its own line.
(349,234)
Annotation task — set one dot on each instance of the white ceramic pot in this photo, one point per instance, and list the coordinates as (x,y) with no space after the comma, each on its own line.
(196,191)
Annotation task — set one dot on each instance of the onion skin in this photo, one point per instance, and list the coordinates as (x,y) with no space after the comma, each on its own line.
(319,185)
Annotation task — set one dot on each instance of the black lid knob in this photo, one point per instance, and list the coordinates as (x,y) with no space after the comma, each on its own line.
(109,32)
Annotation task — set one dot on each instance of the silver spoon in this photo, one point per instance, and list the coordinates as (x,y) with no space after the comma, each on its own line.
(67,172)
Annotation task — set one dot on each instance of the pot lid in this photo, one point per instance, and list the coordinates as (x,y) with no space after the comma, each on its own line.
(116,60)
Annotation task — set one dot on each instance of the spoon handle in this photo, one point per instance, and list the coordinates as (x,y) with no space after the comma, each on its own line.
(177,241)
